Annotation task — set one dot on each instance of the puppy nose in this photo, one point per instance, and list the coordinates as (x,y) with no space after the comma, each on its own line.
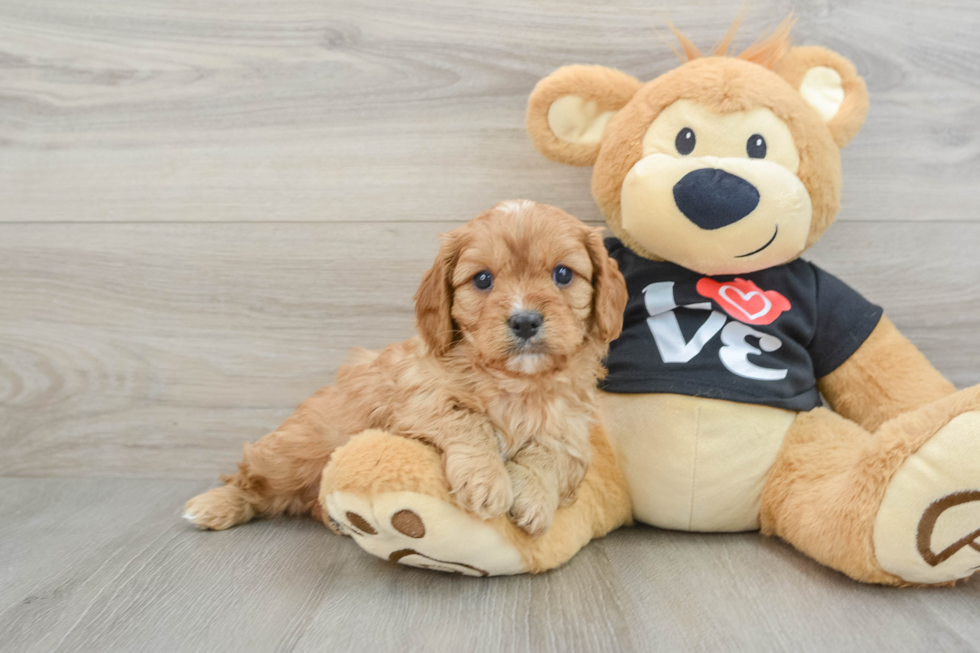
(712,198)
(525,324)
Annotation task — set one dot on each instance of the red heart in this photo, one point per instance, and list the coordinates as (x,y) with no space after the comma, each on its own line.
(744,300)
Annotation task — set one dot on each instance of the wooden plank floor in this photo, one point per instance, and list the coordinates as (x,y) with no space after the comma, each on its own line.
(106,565)
(203,205)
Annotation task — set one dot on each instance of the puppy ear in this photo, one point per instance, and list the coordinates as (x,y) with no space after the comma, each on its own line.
(434,299)
(569,109)
(608,290)
(830,84)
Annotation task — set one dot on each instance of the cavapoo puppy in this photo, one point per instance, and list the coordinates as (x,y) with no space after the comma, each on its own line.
(514,319)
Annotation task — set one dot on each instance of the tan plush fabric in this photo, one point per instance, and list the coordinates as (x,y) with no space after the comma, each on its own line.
(724,85)
(886,377)
(375,462)
(679,453)
(828,482)
(721,85)
(610,89)
(822,499)
(927,529)
(375,465)
(832,470)
(850,116)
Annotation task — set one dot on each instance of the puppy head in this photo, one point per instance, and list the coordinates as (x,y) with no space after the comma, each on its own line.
(523,286)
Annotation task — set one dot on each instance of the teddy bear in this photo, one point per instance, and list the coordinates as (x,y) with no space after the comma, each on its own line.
(714,178)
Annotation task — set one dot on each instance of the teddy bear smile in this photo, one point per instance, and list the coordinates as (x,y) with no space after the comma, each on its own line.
(756,251)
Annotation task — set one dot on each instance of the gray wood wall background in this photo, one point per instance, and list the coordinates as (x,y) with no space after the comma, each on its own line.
(203,205)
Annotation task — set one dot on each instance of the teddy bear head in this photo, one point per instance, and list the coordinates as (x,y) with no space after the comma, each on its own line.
(723,165)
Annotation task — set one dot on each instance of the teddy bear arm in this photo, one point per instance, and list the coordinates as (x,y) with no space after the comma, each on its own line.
(886,377)
(391,495)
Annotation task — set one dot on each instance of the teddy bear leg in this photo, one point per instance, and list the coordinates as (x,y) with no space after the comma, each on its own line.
(391,495)
(900,506)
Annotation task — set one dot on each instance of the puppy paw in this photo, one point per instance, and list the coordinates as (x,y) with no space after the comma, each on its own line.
(480,485)
(568,490)
(218,509)
(533,515)
(569,497)
(534,504)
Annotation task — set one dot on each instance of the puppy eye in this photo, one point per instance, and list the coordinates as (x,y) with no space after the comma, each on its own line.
(685,141)
(483,280)
(756,147)
(562,276)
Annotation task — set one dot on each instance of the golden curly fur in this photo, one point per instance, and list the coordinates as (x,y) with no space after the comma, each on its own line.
(510,415)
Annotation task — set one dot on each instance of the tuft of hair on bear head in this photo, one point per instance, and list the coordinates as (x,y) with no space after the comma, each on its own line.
(766,51)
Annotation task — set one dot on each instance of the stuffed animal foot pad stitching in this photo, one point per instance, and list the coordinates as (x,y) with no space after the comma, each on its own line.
(423,531)
(927,529)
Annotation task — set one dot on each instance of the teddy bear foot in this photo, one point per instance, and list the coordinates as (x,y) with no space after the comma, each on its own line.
(422,531)
(391,496)
(927,529)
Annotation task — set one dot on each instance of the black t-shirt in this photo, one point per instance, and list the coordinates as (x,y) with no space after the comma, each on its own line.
(758,338)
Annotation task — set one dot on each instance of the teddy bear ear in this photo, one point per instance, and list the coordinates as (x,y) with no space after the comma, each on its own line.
(569,109)
(830,84)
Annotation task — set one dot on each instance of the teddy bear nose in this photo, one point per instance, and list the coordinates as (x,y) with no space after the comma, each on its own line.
(712,198)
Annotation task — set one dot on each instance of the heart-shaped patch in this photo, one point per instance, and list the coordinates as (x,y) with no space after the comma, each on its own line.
(745,301)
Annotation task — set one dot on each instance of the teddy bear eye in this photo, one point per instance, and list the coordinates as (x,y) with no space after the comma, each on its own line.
(685,141)
(756,147)
(483,280)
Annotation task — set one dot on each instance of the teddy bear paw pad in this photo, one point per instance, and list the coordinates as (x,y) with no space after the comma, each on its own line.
(928,526)
(422,531)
